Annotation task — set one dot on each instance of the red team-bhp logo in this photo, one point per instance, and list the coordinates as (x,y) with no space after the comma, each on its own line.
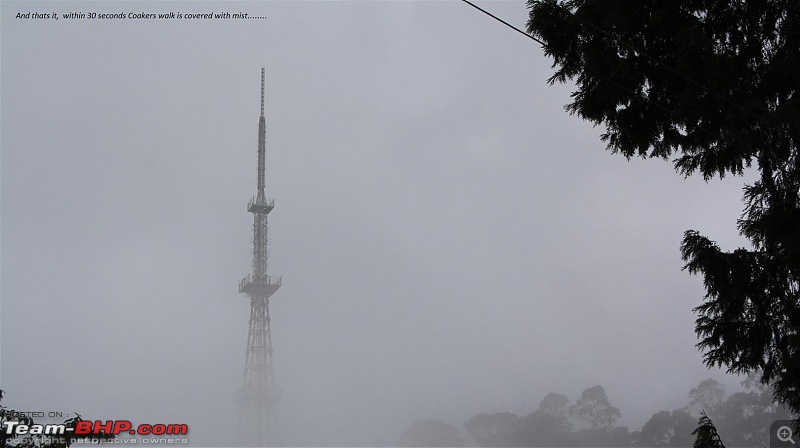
(115,427)
(88,428)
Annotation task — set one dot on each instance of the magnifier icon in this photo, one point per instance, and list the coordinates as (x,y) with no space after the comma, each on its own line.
(785,434)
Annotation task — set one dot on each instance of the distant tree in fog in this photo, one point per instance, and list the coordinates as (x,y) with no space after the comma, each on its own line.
(708,397)
(594,408)
(498,429)
(549,425)
(673,429)
(555,404)
(431,433)
(541,429)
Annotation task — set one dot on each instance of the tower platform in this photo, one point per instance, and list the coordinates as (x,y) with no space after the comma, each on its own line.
(255,206)
(259,286)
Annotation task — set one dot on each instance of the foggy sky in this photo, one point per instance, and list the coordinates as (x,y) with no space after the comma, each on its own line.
(451,241)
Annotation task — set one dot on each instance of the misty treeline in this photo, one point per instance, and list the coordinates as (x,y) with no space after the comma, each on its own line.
(743,418)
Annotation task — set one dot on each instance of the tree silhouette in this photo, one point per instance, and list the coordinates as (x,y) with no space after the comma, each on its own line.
(706,434)
(431,433)
(673,429)
(498,429)
(594,408)
(555,405)
(712,86)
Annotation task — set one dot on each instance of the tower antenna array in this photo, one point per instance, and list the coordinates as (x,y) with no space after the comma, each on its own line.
(258,424)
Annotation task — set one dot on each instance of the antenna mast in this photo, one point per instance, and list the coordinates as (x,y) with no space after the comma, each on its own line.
(258,424)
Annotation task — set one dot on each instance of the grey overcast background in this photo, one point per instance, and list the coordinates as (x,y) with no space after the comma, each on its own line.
(451,241)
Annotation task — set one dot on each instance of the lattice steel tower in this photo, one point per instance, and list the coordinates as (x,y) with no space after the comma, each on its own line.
(258,425)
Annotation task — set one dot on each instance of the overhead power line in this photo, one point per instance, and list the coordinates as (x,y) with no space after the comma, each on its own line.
(504,22)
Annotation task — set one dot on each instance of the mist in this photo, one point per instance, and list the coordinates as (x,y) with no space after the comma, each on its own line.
(451,241)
